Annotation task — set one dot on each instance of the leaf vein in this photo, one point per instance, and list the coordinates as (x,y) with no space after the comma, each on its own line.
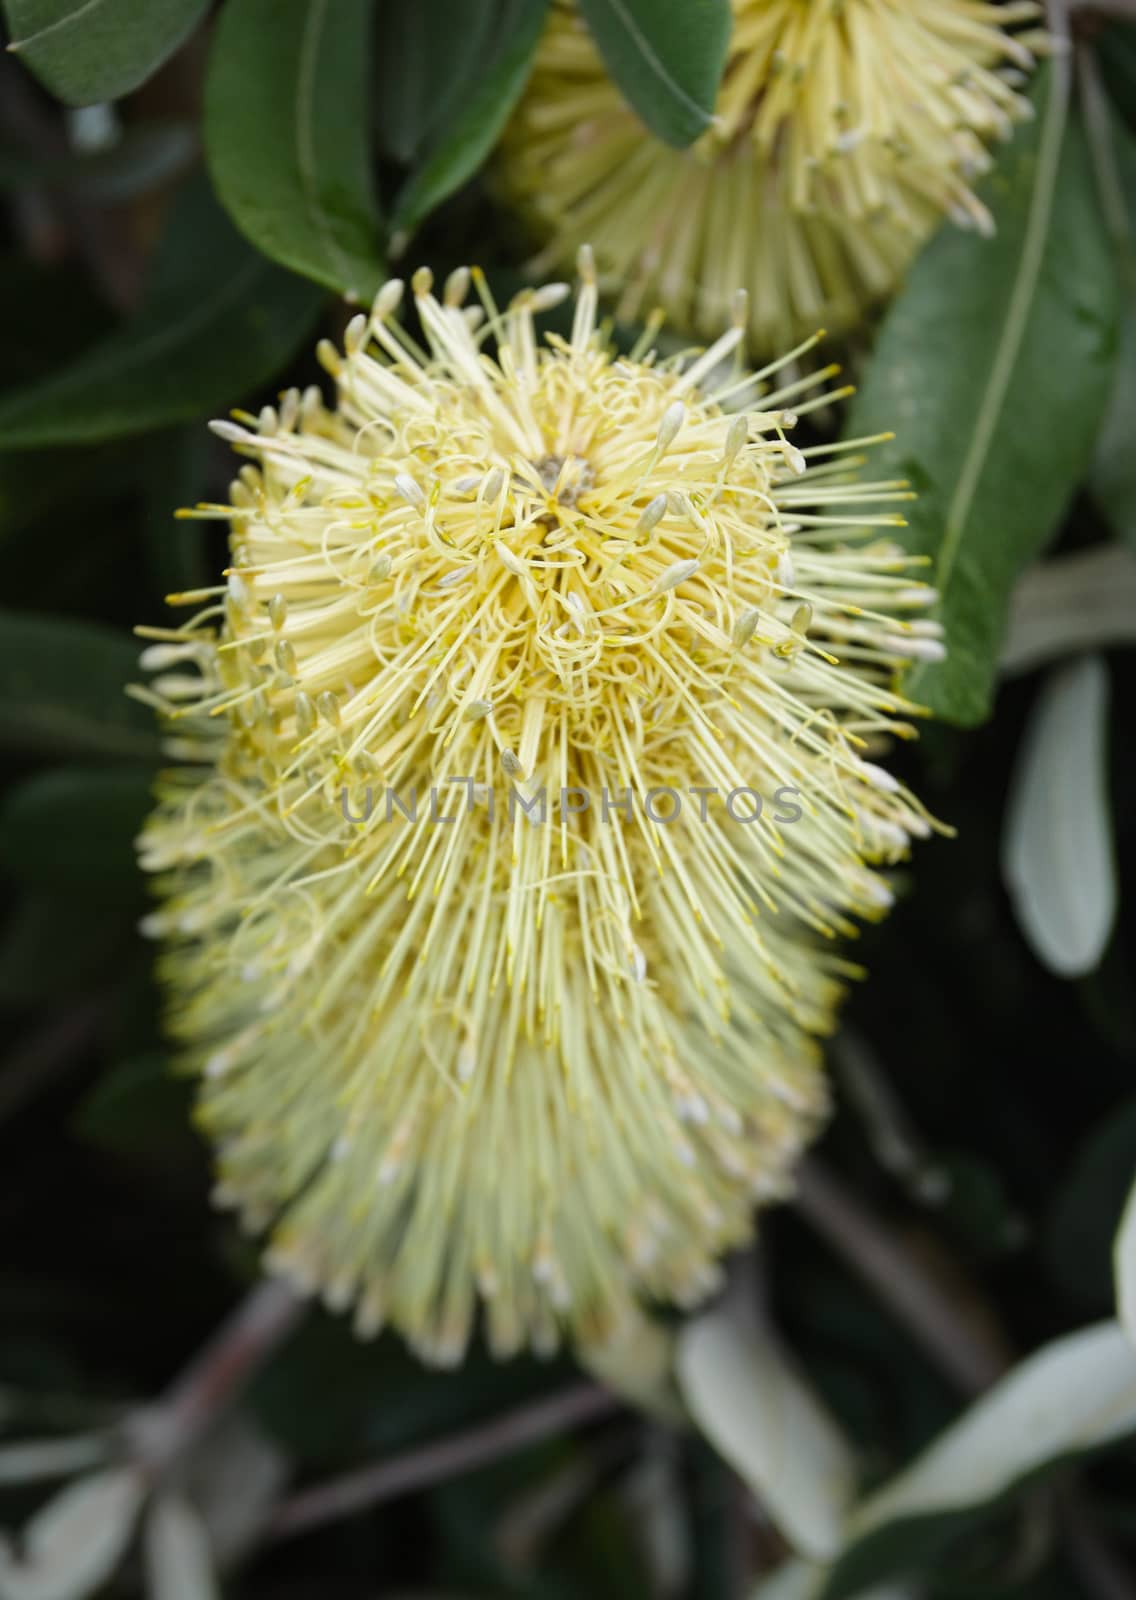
(305,141)
(1009,347)
(655,61)
(53,27)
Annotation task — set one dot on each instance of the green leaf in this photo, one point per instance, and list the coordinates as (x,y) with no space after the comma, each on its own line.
(218,321)
(286,129)
(667,58)
(1073,1396)
(763,1418)
(37,1459)
(176,1554)
(73,1544)
(1077,1238)
(1083,601)
(418,86)
(1124,1267)
(90,50)
(53,944)
(1115,47)
(47,316)
(801,1580)
(794,1580)
(62,690)
(995,394)
(637,1361)
(147,155)
(75,828)
(1112,479)
(138,1109)
(472,130)
(1057,856)
(327,1397)
(172,476)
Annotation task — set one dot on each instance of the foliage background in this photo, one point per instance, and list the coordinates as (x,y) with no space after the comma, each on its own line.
(172,251)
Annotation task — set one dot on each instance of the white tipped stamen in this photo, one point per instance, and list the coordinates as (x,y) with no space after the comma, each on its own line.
(652,514)
(745,626)
(736,438)
(673,418)
(673,576)
(879,777)
(409,490)
(549,296)
(456,288)
(388,299)
(231,432)
(914,648)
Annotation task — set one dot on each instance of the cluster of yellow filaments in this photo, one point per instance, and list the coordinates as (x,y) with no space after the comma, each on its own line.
(844,130)
(472,1027)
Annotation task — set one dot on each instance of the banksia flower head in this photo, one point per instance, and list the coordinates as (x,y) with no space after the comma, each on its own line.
(476,1024)
(844,130)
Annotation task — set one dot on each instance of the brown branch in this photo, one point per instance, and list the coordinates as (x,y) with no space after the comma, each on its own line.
(163,1433)
(433,1463)
(960,1347)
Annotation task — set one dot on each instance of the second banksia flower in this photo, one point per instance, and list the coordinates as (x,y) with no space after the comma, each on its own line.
(476,1025)
(844,131)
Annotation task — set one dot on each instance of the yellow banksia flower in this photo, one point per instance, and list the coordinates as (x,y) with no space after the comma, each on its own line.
(844,131)
(526,786)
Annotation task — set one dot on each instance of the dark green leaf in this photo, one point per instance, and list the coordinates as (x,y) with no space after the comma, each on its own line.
(1077,1241)
(286,136)
(327,1396)
(471,132)
(419,86)
(667,58)
(32,493)
(1071,1397)
(62,690)
(1082,601)
(47,315)
(57,943)
(138,1109)
(977,1206)
(218,320)
(995,394)
(1112,480)
(74,828)
(89,50)
(172,477)
(1116,51)
(148,154)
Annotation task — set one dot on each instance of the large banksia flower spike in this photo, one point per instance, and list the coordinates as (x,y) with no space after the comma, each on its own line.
(476,1024)
(844,131)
